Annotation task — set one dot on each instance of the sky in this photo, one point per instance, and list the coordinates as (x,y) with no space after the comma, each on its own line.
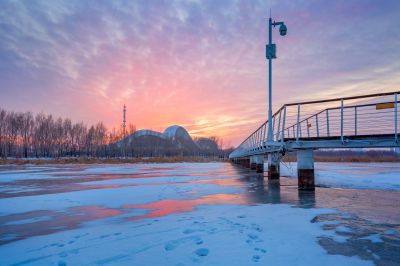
(198,64)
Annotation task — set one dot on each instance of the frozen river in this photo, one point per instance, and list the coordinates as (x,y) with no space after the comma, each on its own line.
(198,214)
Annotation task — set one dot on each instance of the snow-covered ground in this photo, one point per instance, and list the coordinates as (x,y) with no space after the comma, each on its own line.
(166,214)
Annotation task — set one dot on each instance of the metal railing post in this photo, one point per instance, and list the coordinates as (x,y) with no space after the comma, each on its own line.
(327,122)
(355,121)
(301,133)
(251,142)
(341,121)
(395,117)
(298,120)
(273,127)
(308,129)
(261,135)
(316,124)
(263,138)
(283,125)
(257,139)
(279,126)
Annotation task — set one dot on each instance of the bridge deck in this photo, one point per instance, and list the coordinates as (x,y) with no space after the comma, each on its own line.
(354,122)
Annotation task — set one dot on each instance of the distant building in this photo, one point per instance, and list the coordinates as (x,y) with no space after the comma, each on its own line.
(175,140)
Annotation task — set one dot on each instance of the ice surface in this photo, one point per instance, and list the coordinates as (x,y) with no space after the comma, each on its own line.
(352,175)
(218,235)
(164,214)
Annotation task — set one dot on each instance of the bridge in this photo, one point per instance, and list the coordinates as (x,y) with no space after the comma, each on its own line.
(367,121)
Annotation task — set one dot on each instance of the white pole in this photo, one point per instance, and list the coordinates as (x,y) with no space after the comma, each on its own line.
(269,138)
(341,122)
(395,117)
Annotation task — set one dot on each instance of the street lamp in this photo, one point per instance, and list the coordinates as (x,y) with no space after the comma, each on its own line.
(271,54)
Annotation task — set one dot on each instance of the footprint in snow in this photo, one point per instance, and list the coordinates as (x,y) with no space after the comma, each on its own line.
(256,227)
(261,250)
(202,252)
(171,245)
(255,258)
(189,231)
(252,236)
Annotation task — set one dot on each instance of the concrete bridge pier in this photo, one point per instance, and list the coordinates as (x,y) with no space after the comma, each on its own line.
(273,165)
(246,162)
(253,162)
(260,164)
(305,169)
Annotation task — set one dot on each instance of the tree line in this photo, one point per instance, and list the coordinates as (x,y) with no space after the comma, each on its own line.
(24,135)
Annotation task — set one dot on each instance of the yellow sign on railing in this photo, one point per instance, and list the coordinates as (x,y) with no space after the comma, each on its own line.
(381,106)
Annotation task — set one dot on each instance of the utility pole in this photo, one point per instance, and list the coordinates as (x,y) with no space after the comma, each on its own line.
(124,122)
(124,130)
(271,54)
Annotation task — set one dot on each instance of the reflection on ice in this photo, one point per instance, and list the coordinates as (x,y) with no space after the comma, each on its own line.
(54,201)
(25,225)
(167,207)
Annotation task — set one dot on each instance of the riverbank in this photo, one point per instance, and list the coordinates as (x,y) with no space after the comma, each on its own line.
(290,157)
(88,160)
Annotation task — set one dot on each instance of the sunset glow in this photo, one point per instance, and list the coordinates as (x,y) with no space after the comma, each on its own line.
(198,64)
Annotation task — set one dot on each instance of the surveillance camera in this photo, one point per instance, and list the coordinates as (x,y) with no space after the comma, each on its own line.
(283,30)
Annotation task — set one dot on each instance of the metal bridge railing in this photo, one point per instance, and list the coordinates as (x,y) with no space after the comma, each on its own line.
(339,118)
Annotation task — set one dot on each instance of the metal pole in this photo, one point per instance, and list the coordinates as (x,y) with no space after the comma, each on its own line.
(273,126)
(257,139)
(265,129)
(316,124)
(298,120)
(341,121)
(283,125)
(270,83)
(327,122)
(355,121)
(395,117)
(279,126)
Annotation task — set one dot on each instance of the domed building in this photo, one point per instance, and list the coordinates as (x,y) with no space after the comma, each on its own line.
(175,140)
(146,143)
(176,132)
(181,139)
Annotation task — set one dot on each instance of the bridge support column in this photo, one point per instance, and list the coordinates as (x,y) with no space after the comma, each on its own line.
(305,169)
(246,162)
(260,164)
(273,165)
(253,162)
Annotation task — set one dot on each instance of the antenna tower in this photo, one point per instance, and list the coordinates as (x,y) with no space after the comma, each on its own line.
(124,122)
